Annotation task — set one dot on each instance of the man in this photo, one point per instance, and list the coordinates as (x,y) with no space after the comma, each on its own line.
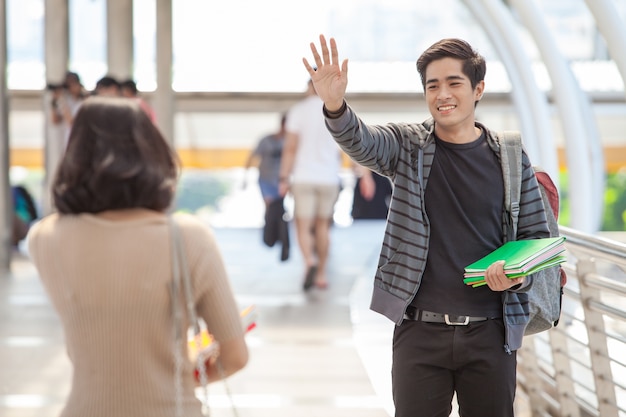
(267,155)
(309,168)
(128,88)
(107,86)
(447,211)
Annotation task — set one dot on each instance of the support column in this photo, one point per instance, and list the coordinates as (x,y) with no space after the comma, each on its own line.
(530,102)
(612,28)
(120,49)
(56,59)
(583,148)
(6,205)
(164,94)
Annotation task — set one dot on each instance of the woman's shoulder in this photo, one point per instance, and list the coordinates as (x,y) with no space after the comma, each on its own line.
(45,225)
(191,225)
(198,235)
(41,231)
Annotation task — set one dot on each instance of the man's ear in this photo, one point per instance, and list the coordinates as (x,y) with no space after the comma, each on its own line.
(479,90)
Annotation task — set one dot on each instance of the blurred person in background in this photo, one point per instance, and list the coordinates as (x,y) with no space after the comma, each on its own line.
(267,156)
(108,86)
(372,194)
(66,100)
(128,88)
(310,172)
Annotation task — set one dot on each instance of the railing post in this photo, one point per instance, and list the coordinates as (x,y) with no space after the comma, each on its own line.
(598,349)
(565,393)
(531,374)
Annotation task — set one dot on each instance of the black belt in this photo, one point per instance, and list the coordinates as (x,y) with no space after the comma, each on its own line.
(449,319)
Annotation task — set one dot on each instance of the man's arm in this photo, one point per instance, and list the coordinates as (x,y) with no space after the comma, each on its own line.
(286,161)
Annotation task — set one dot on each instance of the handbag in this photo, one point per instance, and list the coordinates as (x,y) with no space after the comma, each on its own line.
(199,344)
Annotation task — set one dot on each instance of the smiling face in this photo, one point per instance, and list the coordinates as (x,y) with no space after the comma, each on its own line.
(451,99)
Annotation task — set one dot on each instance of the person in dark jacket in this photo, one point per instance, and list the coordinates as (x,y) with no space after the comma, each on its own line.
(24,215)
(267,155)
(446,212)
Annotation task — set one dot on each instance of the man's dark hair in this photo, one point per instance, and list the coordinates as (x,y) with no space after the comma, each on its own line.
(130,85)
(473,64)
(116,158)
(107,81)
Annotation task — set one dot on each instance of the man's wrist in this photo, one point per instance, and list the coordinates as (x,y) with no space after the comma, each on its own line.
(334,114)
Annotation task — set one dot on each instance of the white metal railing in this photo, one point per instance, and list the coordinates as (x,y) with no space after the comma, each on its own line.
(578,369)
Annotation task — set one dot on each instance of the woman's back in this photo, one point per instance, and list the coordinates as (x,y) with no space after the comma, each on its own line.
(109,280)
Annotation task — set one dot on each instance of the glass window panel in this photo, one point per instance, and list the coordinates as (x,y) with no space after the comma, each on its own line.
(144,33)
(88,40)
(25,46)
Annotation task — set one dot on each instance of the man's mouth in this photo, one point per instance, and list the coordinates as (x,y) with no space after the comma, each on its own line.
(446,108)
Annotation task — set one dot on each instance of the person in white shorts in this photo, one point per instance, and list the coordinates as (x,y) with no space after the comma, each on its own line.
(309,169)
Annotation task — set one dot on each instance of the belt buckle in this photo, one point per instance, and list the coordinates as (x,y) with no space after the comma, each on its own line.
(449,322)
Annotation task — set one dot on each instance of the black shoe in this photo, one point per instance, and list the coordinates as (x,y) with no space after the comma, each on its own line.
(309,278)
(284,253)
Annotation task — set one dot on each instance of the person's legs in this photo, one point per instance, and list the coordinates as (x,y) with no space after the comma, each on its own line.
(304,215)
(305,240)
(422,378)
(485,382)
(322,248)
(326,198)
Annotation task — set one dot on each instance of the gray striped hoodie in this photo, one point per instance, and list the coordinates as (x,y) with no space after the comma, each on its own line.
(393,150)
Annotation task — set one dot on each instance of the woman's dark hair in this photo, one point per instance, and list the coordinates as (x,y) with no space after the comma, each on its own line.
(474,66)
(116,158)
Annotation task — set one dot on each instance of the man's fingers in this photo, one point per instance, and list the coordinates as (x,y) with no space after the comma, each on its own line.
(333,51)
(316,55)
(308,67)
(329,57)
(325,53)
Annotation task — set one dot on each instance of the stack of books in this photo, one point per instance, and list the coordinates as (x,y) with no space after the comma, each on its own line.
(521,257)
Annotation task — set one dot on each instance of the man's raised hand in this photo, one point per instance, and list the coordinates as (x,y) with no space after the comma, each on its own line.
(330,80)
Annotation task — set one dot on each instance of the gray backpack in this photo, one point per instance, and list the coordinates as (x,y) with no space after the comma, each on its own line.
(546,293)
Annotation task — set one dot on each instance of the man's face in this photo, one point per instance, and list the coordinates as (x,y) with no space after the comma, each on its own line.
(449,94)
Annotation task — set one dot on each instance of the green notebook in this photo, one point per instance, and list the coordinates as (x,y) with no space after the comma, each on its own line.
(477,281)
(520,256)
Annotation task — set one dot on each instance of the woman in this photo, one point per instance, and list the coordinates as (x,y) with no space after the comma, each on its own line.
(104,260)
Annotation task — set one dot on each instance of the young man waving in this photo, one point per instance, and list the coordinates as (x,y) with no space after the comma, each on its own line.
(447,211)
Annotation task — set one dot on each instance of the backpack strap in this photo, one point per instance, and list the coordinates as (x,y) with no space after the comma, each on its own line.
(511,160)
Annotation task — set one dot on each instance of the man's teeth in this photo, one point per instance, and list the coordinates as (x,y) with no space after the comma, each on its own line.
(444,108)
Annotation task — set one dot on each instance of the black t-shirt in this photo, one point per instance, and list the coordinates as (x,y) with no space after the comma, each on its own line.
(464,202)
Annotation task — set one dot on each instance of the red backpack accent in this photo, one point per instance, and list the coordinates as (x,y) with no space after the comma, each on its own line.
(551,192)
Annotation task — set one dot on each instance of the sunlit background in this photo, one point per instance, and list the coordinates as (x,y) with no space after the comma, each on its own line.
(249,45)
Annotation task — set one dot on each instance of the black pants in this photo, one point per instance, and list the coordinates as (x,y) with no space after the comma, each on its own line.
(432,361)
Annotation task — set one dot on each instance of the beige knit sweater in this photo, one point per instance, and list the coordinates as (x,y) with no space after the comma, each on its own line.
(109,282)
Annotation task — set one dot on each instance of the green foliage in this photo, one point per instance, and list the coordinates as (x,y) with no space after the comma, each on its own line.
(614,218)
(614,215)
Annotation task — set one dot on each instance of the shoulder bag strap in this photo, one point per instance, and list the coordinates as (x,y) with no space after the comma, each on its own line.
(179,340)
(181,272)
